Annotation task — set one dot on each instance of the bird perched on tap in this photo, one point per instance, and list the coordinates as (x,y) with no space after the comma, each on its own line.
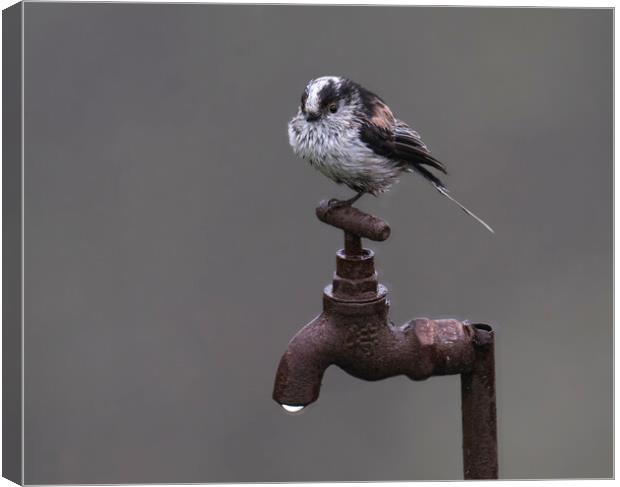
(351,136)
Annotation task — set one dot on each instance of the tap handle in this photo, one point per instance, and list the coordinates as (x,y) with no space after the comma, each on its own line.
(353,221)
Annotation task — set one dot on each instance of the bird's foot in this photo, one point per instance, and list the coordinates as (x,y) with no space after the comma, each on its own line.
(334,203)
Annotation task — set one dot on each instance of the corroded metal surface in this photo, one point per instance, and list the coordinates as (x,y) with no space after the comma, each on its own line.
(479,410)
(353,221)
(355,333)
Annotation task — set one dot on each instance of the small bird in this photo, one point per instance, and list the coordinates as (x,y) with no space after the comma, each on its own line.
(351,136)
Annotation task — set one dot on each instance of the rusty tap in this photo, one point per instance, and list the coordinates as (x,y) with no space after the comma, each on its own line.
(355,333)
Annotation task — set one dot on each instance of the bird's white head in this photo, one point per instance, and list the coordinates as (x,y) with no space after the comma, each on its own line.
(328,98)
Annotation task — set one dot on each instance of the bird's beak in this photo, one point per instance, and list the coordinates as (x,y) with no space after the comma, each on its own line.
(311,117)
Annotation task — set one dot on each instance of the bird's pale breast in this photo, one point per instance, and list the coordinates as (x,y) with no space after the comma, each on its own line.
(340,155)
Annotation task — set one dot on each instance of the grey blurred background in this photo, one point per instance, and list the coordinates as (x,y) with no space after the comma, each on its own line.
(172,249)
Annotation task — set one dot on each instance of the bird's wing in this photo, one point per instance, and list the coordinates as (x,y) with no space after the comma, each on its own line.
(399,144)
(404,146)
(379,139)
(409,142)
(407,134)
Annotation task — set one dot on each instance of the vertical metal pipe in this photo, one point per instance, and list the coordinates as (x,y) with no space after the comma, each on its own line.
(479,410)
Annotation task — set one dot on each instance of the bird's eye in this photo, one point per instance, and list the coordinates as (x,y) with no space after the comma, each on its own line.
(333,108)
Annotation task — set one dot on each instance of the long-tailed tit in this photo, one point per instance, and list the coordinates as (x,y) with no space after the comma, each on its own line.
(351,136)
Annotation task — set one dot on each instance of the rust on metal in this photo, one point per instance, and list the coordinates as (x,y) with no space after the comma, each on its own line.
(479,409)
(353,221)
(354,332)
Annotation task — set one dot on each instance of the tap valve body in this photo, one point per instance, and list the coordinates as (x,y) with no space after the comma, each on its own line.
(354,332)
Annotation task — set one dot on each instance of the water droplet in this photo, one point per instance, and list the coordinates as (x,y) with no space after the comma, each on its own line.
(292,409)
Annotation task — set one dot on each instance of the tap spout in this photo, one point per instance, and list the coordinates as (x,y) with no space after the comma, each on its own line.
(301,369)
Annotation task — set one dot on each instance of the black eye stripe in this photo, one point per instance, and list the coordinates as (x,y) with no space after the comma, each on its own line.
(328,94)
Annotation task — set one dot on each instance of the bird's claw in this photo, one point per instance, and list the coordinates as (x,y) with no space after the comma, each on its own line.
(334,203)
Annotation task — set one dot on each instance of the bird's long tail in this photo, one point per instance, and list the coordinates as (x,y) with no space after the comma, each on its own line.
(444,192)
(424,159)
